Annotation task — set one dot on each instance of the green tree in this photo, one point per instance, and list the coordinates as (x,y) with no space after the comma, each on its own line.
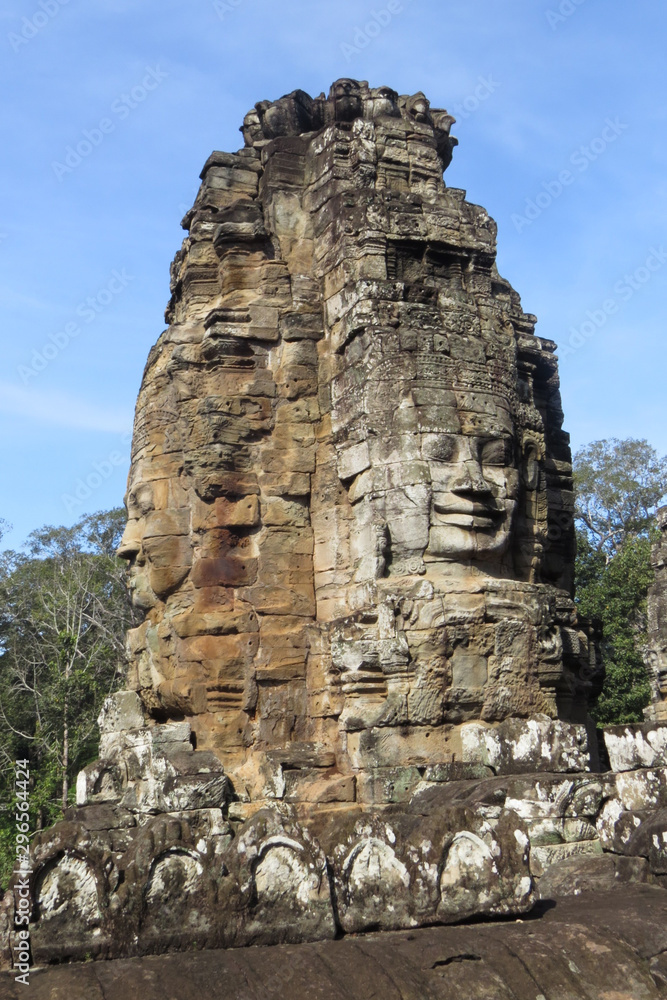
(64,611)
(614,593)
(619,485)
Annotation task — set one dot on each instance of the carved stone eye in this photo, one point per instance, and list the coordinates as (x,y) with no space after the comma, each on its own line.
(140,500)
(498,452)
(440,447)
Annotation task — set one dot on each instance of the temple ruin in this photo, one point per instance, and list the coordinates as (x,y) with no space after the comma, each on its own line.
(360,695)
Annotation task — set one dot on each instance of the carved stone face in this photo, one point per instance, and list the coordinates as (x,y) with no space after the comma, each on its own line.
(347,98)
(139,503)
(418,108)
(252,127)
(474,492)
(311,464)
(454,498)
(156,544)
(657,670)
(383,101)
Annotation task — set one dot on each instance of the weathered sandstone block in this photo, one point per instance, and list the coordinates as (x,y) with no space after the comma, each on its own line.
(633,746)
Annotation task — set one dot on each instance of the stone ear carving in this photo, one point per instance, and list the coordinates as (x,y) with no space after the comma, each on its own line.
(531,465)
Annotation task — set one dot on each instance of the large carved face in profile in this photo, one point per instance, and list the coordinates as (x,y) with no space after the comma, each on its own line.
(156,540)
(656,663)
(139,503)
(155,543)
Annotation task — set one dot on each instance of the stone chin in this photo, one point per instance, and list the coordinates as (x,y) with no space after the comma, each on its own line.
(149,585)
(461,532)
(142,595)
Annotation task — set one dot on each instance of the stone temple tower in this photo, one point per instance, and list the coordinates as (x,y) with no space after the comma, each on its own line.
(350,496)
(359,697)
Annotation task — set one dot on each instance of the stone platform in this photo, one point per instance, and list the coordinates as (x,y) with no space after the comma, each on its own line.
(598,946)
(162,854)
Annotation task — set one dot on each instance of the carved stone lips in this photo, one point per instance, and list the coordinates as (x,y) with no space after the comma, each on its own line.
(466,514)
(470,508)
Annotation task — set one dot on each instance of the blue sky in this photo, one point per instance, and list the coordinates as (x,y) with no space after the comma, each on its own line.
(539,87)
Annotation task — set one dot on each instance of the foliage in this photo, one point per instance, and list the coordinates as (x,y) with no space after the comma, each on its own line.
(64,611)
(618,486)
(614,592)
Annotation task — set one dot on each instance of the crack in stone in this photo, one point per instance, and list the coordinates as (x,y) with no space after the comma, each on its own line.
(99,983)
(457,958)
(525,968)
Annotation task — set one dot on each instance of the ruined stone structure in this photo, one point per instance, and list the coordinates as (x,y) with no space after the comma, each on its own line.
(349,473)
(359,696)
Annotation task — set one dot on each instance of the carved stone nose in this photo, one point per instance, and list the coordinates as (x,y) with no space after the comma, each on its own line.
(471,479)
(130,543)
